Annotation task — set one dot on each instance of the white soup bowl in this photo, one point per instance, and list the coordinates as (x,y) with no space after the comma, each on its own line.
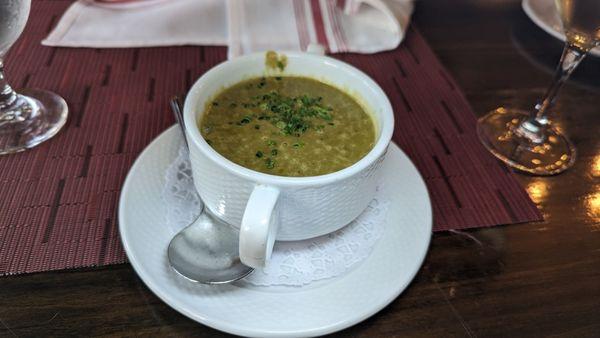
(267,207)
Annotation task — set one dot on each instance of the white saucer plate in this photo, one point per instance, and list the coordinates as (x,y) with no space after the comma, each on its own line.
(316,309)
(544,14)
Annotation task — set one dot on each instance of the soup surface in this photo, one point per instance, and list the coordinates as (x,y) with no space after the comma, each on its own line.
(288,126)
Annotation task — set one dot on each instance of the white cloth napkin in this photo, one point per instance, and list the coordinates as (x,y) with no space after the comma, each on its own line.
(88,23)
(245,26)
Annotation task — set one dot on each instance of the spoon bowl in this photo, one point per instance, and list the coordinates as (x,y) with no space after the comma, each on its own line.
(207,250)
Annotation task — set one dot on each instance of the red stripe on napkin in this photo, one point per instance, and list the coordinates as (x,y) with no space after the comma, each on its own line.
(319,24)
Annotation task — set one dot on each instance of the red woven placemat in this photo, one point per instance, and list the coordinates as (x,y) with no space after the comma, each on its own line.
(59,200)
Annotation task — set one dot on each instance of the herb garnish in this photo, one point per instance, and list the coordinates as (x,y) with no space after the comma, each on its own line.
(259,154)
(292,115)
(262,83)
(270,163)
(245,120)
(280,65)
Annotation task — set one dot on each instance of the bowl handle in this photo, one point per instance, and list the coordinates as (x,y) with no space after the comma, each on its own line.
(259,226)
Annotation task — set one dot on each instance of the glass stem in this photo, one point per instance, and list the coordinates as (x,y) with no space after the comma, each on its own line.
(570,59)
(7,95)
(534,127)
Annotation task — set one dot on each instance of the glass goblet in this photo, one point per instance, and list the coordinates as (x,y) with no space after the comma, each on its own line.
(528,140)
(31,116)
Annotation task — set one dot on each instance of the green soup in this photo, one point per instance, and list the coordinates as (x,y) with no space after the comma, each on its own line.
(288,126)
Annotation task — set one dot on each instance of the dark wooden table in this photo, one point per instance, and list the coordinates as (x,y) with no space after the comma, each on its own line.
(531,279)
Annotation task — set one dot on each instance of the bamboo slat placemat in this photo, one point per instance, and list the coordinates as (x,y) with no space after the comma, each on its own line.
(59,200)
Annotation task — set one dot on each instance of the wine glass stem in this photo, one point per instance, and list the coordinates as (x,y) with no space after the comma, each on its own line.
(7,95)
(570,59)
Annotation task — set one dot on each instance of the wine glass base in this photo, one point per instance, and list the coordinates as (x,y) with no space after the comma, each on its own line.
(41,114)
(500,133)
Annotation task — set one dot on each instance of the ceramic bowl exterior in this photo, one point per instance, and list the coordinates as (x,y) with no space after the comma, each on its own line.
(305,207)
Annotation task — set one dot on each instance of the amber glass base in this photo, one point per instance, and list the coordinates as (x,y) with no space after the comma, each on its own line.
(540,150)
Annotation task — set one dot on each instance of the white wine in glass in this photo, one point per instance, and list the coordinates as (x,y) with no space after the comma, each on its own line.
(31,116)
(528,140)
(581,22)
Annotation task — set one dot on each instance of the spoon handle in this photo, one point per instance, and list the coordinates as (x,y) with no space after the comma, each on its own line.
(177,112)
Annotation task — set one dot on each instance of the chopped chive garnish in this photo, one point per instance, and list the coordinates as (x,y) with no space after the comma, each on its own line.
(270,163)
(256,126)
(292,115)
(271,143)
(259,154)
(274,152)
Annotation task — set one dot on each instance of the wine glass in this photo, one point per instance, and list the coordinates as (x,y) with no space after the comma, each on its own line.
(32,116)
(528,140)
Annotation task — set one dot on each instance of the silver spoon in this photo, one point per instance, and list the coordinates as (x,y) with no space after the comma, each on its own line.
(206,251)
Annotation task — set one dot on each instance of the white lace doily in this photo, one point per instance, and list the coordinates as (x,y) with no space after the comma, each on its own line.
(292,263)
